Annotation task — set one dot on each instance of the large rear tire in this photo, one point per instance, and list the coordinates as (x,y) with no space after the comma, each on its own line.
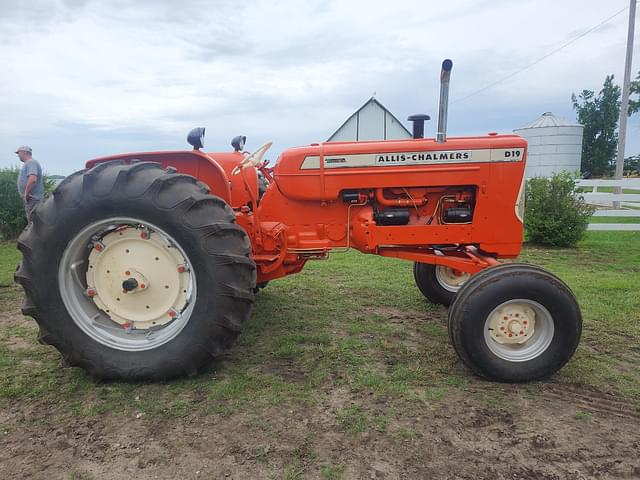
(438,284)
(515,323)
(136,273)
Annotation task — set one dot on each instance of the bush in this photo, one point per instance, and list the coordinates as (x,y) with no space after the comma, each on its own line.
(554,213)
(12,216)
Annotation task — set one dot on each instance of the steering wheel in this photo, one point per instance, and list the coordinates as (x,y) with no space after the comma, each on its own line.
(254,159)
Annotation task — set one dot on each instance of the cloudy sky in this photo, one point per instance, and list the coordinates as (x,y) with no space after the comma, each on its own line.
(84,78)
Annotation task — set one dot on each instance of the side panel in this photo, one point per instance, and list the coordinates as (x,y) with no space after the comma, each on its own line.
(320,172)
(410,177)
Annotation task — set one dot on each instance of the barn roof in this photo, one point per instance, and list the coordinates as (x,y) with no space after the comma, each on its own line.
(377,103)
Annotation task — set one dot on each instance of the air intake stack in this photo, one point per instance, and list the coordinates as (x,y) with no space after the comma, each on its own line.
(418,124)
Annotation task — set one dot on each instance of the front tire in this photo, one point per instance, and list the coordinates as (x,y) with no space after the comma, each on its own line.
(136,273)
(438,284)
(515,323)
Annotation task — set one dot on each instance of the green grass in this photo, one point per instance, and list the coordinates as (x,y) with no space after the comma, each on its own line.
(615,219)
(607,190)
(332,472)
(604,273)
(354,324)
(80,475)
(583,416)
(9,258)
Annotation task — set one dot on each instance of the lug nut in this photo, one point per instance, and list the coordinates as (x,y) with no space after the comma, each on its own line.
(91,292)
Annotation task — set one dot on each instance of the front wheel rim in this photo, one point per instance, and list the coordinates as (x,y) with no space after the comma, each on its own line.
(450,279)
(88,301)
(519,330)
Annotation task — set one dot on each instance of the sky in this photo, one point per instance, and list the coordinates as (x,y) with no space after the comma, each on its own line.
(83,78)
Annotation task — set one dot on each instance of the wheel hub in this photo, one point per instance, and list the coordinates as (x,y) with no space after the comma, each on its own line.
(450,278)
(129,285)
(137,278)
(512,324)
(134,281)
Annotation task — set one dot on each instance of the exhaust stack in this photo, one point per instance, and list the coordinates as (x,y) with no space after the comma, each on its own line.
(445,75)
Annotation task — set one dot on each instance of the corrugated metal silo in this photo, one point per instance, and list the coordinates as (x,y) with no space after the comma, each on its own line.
(555,145)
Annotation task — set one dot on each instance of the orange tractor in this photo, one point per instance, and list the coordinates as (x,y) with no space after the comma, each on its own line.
(144,266)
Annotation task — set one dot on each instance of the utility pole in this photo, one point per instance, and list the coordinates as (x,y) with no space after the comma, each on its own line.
(625,98)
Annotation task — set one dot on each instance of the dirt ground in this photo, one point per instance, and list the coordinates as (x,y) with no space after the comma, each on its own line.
(461,439)
(549,430)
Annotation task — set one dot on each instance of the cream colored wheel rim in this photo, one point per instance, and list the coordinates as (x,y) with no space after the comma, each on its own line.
(519,330)
(450,279)
(156,269)
(127,284)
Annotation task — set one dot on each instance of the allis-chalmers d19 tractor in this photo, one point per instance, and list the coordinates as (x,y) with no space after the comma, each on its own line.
(144,266)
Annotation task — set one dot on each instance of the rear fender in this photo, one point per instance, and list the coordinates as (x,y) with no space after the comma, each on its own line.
(194,163)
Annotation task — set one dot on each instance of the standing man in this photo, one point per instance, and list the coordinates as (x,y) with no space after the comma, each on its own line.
(30,181)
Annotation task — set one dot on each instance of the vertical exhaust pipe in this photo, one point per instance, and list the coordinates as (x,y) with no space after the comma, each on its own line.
(445,75)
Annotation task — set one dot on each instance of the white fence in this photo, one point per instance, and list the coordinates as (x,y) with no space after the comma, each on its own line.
(629,202)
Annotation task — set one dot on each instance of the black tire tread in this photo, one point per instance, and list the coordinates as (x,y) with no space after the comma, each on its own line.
(424,275)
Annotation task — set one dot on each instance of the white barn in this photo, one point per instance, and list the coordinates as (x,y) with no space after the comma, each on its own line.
(372,121)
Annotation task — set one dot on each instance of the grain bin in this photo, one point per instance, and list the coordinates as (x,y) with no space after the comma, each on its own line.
(555,145)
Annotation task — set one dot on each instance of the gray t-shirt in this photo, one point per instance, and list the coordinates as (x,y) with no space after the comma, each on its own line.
(31,167)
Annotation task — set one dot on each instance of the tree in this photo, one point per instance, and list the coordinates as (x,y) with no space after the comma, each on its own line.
(632,165)
(599,115)
(634,105)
